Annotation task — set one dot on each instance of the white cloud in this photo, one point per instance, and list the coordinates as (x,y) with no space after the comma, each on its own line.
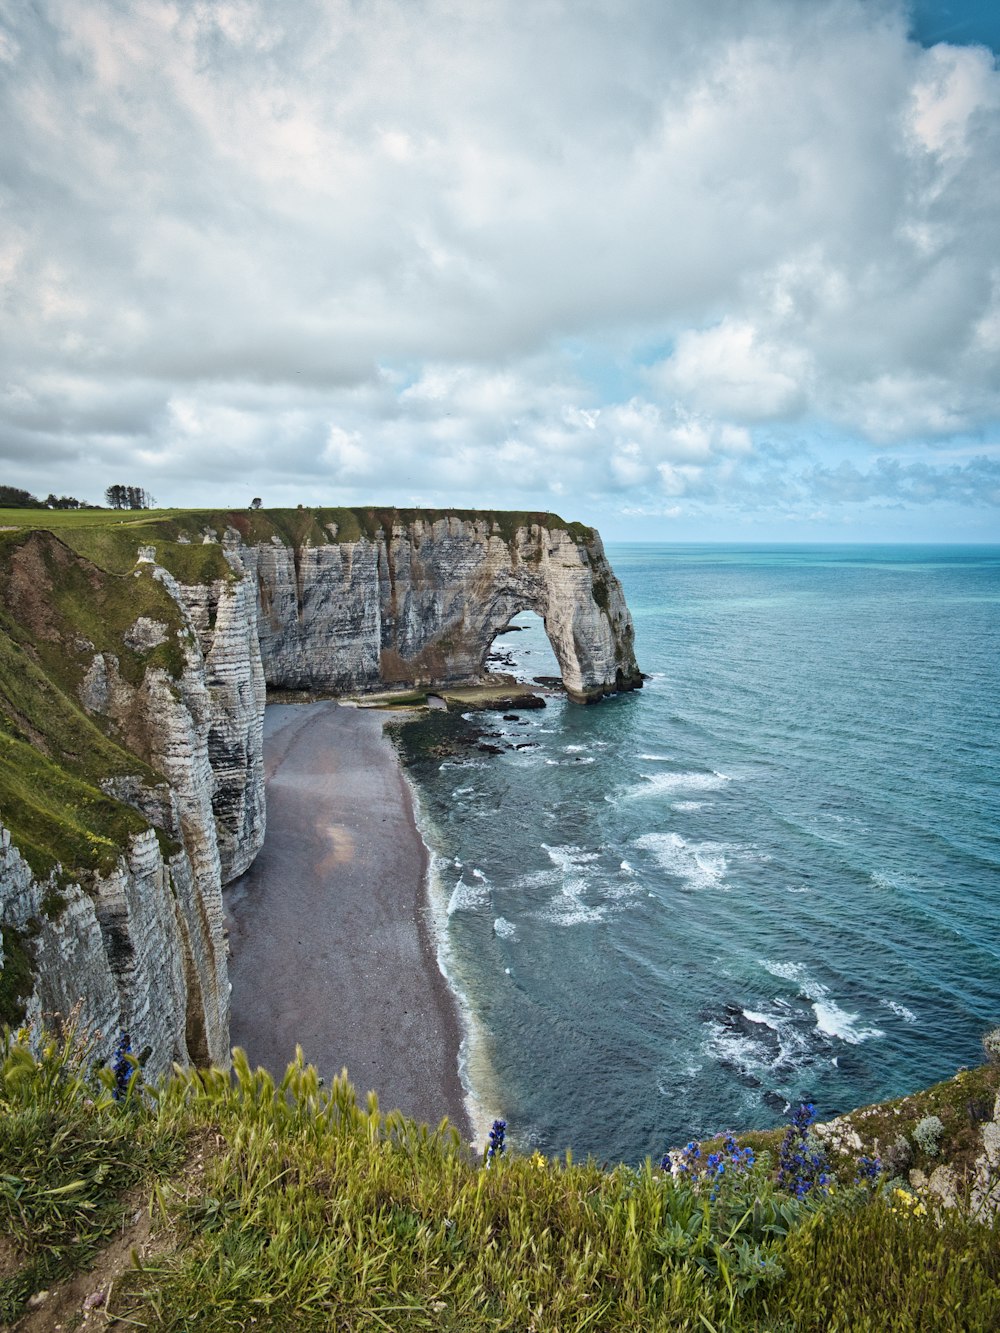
(349,245)
(731,371)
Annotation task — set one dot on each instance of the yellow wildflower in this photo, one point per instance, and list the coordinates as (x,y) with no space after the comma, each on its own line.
(910,1203)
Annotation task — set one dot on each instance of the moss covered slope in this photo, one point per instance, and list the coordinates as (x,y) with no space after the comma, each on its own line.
(56,612)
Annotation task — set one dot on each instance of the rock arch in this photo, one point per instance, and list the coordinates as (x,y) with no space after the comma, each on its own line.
(418,601)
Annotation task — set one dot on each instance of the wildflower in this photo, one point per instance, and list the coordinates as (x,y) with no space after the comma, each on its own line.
(538,1161)
(687,1160)
(122,1067)
(911,1204)
(868,1170)
(665,1163)
(496,1147)
(740,1158)
(802,1164)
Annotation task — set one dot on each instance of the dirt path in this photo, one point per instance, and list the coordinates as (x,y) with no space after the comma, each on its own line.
(329,933)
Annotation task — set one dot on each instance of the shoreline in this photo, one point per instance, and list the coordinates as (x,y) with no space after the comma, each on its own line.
(470,1046)
(332,942)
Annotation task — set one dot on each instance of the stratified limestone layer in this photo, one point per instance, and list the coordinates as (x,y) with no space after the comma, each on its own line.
(420,602)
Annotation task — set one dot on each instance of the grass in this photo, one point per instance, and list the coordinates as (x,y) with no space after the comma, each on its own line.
(69,1156)
(56,612)
(111,538)
(294,527)
(316,1212)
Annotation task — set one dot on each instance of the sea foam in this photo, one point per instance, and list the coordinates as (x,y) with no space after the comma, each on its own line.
(701,865)
(665,784)
(831,1019)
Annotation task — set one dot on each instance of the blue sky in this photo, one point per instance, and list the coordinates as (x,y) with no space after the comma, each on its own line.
(686,271)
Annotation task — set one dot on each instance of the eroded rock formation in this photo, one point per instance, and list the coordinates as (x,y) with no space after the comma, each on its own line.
(132,689)
(419,602)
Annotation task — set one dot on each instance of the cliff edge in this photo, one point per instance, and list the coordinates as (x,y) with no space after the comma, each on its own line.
(133,664)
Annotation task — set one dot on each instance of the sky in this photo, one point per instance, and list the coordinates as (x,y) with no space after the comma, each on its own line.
(683,269)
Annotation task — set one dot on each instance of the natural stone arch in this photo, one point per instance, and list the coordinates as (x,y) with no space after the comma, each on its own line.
(566,582)
(545,666)
(499,615)
(417,602)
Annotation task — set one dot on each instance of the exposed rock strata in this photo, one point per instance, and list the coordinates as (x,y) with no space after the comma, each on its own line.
(119,951)
(419,604)
(412,601)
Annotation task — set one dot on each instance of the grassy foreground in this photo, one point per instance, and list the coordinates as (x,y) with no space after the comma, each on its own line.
(251,1206)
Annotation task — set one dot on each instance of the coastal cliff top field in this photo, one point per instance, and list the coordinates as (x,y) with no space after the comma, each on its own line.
(110,538)
(318,523)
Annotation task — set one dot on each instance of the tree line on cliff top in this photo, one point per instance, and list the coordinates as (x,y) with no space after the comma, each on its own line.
(115,497)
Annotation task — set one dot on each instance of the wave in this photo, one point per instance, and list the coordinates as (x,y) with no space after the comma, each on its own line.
(831,1019)
(505,929)
(900,1010)
(701,865)
(837,1022)
(568,910)
(466,897)
(474,1069)
(663,784)
(761,1048)
(568,907)
(569,855)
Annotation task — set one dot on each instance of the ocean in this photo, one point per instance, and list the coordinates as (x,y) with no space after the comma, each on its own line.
(772,875)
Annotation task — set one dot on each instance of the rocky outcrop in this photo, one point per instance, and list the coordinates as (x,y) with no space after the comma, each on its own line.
(224,616)
(167,654)
(419,602)
(118,953)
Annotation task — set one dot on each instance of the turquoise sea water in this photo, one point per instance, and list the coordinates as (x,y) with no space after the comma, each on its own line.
(772,874)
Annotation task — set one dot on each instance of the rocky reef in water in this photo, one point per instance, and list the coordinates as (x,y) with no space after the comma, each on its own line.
(134,662)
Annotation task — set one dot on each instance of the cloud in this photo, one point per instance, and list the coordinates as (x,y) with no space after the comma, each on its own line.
(588,251)
(730,370)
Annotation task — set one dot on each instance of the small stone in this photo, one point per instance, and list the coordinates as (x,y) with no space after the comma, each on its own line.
(95,1299)
(39,1298)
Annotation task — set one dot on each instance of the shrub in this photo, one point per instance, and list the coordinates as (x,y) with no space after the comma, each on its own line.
(927,1134)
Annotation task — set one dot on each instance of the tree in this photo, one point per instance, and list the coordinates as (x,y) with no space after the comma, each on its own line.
(255,503)
(64,502)
(13,498)
(128,497)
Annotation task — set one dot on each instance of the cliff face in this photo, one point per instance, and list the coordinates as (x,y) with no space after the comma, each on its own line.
(132,689)
(419,601)
(158,719)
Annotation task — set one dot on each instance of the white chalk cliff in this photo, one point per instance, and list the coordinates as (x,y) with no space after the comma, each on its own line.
(410,599)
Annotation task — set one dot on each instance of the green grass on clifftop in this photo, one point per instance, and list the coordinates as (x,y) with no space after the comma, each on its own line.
(295,1208)
(110,537)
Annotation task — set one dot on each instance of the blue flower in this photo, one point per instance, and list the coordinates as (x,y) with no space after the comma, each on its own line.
(869,1170)
(802,1163)
(122,1067)
(497,1146)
